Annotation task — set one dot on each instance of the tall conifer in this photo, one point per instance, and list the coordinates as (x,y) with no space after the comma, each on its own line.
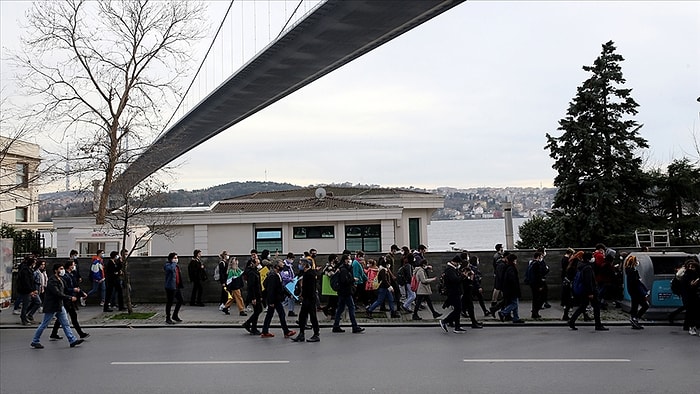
(597,158)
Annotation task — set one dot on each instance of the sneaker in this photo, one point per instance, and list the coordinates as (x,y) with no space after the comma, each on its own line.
(298,338)
(443,325)
(221,307)
(290,333)
(358,330)
(338,329)
(82,301)
(84,335)
(255,332)
(267,335)
(246,326)
(436,315)
(55,337)
(177,319)
(501,316)
(693,331)
(459,330)
(102,303)
(36,345)
(77,342)
(225,310)
(16,312)
(416,318)
(572,326)
(477,325)
(242,313)
(637,327)
(546,305)
(314,338)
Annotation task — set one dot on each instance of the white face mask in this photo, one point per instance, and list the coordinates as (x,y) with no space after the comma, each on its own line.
(61,272)
(592,260)
(259,266)
(174,260)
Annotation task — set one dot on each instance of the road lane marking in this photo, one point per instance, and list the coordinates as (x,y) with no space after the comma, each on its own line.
(194,362)
(549,360)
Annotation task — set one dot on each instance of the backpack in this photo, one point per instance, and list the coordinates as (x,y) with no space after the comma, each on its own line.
(577,284)
(414,283)
(528,273)
(442,289)
(676,287)
(335,281)
(217,271)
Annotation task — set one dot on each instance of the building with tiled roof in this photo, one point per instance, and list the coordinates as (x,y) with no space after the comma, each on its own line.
(328,219)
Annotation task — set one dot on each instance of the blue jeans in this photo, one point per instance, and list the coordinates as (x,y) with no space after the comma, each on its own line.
(342,302)
(512,308)
(98,285)
(30,304)
(383,293)
(410,295)
(63,318)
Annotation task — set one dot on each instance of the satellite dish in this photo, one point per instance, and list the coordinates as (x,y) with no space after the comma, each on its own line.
(320,193)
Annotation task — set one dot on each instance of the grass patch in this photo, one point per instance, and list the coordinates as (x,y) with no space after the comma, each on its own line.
(134,316)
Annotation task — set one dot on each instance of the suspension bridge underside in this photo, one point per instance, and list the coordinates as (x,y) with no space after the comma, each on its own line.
(336,33)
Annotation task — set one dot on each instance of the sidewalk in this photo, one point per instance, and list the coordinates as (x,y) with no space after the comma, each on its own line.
(209,316)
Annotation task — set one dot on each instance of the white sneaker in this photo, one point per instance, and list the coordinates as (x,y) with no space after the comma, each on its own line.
(16,312)
(82,301)
(221,307)
(693,331)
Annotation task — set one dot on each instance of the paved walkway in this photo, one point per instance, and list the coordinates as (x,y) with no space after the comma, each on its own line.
(210,316)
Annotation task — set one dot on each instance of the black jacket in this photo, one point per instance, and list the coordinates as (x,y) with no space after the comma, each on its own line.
(587,278)
(25,280)
(254,290)
(274,288)
(308,285)
(111,271)
(55,295)
(346,281)
(453,281)
(511,283)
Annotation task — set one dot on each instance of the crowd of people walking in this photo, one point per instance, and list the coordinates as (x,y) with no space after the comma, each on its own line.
(349,282)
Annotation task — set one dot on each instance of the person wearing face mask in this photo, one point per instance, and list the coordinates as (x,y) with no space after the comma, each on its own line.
(453,283)
(254,293)
(53,307)
(274,299)
(637,291)
(589,295)
(173,286)
(97,274)
(70,285)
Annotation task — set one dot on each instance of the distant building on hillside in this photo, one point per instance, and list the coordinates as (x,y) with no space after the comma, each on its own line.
(328,219)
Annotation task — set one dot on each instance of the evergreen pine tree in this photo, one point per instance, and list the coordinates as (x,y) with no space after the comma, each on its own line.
(597,158)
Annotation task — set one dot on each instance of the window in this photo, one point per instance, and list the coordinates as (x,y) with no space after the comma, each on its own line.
(314,232)
(21,215)
(268,238)
(89,249)
(22,175)
(364,237)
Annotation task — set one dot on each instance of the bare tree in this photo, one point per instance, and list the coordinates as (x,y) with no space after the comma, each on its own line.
(103,72)
(138,219)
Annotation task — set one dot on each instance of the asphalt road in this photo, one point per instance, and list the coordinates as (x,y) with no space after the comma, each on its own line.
(504,359)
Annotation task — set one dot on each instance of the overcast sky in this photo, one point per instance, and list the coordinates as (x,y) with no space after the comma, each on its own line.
(463,100)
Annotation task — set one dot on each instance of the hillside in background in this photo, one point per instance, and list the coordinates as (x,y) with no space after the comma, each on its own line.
(472,203)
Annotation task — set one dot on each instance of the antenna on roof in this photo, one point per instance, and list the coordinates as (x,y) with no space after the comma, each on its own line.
(320,193)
